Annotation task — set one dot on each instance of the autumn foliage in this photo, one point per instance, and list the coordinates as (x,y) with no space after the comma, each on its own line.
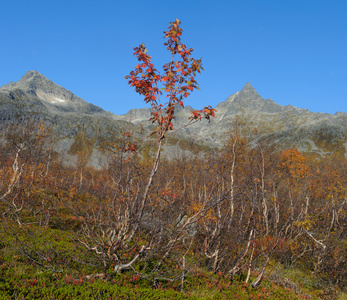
(176,81)
(241,214)
(230,212)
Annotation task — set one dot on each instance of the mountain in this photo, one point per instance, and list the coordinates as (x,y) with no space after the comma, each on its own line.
(45,96)
(35,97)
(264,121)
(286,126)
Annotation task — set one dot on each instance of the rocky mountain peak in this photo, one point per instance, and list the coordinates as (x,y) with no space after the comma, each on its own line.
(35,81)
(30,75)
(246,99)
(247,86)
(248,92)
(34,86)
(35,96)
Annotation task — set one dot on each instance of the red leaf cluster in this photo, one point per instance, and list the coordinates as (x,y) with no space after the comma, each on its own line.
(207,113)
(177,80)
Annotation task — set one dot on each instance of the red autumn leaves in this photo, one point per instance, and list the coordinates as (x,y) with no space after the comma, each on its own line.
(177,80)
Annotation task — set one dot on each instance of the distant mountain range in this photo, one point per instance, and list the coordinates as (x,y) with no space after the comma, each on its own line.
(36,97)
(287,126)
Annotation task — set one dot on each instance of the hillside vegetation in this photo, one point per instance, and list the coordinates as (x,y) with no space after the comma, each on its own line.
(253,219)
(232,223)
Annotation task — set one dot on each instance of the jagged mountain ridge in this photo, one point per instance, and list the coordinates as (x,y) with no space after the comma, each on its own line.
(35,97)
(285,125)
(53,98)
(38,97)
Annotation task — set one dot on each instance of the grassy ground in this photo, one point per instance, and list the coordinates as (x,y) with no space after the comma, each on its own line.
(38,262)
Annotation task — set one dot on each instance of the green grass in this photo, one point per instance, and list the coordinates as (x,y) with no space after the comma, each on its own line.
(48,286)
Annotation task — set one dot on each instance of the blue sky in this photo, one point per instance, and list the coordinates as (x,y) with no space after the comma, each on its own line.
(294,52)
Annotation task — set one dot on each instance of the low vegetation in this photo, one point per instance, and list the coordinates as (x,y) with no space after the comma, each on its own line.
(236,223)
(241,222)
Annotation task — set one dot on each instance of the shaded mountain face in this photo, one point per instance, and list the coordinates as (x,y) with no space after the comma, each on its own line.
(39,98)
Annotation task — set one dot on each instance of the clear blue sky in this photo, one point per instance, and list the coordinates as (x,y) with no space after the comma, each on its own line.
(294,51)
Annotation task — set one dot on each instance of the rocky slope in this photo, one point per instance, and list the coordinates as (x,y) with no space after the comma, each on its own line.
(34,93)
(38,98)
(287,126)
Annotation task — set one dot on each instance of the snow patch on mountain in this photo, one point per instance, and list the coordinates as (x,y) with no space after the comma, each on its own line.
(59,100)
